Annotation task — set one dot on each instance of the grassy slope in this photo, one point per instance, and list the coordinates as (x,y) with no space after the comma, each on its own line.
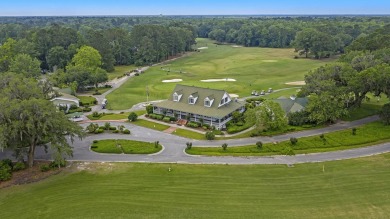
(368,134)
(357,188)
(246,65)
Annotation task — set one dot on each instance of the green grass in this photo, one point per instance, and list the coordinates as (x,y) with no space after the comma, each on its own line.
(189,134)
(151,125)
(369,134)
(357,188)
(87,99)
(125,146)
(364,111)
(120,70)
(249,66)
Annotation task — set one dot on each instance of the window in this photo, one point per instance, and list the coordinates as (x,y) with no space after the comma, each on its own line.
(226,99)
(175,98)
(207,103)
(191,100)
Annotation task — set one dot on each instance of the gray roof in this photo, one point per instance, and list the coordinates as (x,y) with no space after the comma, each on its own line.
(198,108)
(290,106)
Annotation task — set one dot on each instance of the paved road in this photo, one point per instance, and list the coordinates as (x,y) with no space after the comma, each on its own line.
(174,148)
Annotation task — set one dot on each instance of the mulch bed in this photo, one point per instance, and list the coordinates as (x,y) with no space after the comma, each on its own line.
(29,175)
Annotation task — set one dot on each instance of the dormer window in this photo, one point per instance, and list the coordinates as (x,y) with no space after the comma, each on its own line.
(175,97)
(208,101)
(192,98)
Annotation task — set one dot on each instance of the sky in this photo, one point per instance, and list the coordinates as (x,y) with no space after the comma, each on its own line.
(191,7)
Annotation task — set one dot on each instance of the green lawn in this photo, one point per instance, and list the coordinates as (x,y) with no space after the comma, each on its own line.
(253,68)
(120,71)
(369,134)
(87,99)
(189,134)
(125,146)
(357,188)
(151,125)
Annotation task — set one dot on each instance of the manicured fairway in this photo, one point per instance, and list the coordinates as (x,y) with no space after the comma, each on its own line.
(253,68)
(358,188)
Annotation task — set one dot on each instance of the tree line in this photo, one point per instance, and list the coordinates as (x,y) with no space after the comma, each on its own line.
(336,88)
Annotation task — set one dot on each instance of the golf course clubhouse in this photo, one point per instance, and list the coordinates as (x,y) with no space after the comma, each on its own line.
(208,106)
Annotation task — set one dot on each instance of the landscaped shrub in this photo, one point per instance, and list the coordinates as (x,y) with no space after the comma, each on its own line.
(210,136)
(91,128)
(167,119)
(99,131)
(57,164)
(7,162)
(126,131)
(156,144)
(45,167)
(87,109)
(293,140)
(95,141)
(132,117)
(193,124)
(19,166)
(77,110)
(259,144)
(112,128)
(224,146)
(115,131)
(5,170)
(95,114)
(107,126)
(149,109)
(354,131)
(189,145)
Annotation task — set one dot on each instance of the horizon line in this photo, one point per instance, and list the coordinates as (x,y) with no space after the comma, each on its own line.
(167,15)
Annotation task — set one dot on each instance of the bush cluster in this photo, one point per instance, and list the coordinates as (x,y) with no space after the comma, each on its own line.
(193,124)
(52,165)
(156,116)
(210,135)
(7,167)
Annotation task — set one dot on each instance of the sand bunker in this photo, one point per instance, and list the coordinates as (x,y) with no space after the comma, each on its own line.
(203,47)
(296,83)
(236,46)
(172,80)
(214,80)
(270,60)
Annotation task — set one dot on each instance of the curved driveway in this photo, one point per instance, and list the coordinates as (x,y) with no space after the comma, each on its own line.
(175,145)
